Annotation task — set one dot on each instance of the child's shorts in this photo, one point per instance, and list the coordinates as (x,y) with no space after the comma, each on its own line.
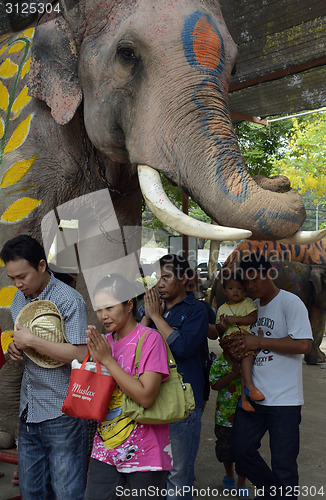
(222,443)
(223,446)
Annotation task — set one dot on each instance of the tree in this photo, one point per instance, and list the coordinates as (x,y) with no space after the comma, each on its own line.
(260,144)
(304,158)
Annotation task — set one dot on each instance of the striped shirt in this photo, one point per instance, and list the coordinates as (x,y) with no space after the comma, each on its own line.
(43,390)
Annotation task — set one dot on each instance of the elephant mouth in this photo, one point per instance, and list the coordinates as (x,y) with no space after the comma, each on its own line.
(159,203)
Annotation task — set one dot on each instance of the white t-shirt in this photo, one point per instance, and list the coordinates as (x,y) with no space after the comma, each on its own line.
(279,376)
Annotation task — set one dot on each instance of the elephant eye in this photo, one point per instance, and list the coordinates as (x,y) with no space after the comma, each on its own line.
(127,53)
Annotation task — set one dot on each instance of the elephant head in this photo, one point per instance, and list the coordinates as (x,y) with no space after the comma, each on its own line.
(153,80)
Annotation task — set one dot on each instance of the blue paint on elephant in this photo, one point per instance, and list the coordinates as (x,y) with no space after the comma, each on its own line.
(187,37)
(261,218)
(237,191)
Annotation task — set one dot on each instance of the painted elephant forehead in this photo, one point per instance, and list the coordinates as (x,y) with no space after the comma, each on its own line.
(207,44)
(203,44)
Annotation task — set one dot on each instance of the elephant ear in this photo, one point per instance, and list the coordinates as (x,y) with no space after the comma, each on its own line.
(53,76)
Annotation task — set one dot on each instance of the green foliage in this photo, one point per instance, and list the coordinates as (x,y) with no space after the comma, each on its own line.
(259,144)
(305,157)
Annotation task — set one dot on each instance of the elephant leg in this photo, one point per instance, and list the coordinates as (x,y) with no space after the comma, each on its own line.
(318,321)
(7,440)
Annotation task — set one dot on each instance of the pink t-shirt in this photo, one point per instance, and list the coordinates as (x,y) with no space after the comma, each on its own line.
(119,441)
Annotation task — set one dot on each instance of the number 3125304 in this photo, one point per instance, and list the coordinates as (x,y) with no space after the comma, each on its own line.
(31,8)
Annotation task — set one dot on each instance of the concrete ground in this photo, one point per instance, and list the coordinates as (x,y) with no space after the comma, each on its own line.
(210,473)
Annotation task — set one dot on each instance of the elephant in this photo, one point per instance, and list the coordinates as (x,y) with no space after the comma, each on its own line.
(307,281)
(313,253)
(102,97)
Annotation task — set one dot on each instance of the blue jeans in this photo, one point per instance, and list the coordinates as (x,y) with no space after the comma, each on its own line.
(52,459)
(185,438)
(282,424)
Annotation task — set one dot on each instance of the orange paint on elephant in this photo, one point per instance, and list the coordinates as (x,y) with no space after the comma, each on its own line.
(207,44)
(219,127)
(235,184)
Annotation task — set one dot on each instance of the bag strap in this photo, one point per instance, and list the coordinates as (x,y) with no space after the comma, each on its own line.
(98,364)
(170,358)
(138,349)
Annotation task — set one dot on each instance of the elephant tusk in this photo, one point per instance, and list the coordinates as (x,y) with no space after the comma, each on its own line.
(170,215)
(305,237)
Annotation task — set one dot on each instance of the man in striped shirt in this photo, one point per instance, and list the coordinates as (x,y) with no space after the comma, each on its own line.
(52,447)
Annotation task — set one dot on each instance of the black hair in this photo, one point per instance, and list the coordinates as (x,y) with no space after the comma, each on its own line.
(236,276)
(191,274)
(120,288)
(255,261)
(179,265)
(23,247)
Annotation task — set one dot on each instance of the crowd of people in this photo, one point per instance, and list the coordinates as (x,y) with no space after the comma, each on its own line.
(258,378)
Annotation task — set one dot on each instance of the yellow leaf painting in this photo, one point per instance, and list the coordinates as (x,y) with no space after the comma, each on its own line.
(21,100)
(2,128)
(4,97)
(3,49)
(25,68)
(19,135)
(8,69)
(6,340)
(16,47)
(29,32)
(19,210)
(16,172)
(6,295)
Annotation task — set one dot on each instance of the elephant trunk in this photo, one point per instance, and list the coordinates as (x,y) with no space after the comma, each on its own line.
(244,207)
(269,208)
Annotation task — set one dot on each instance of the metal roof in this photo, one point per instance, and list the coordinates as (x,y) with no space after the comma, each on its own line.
(281,65)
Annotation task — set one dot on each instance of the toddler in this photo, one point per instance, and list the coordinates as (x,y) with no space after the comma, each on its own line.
(238,311)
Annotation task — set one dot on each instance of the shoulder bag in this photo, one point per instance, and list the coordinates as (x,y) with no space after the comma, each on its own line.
(174,399)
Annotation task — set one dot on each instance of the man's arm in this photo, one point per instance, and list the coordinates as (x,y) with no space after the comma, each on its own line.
(162,326)
(284,345)
(187,339)
(63,352)
(212,333)
(247,320)
(153,312)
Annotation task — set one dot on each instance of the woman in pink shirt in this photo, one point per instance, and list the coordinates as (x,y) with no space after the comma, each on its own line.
(124,450)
